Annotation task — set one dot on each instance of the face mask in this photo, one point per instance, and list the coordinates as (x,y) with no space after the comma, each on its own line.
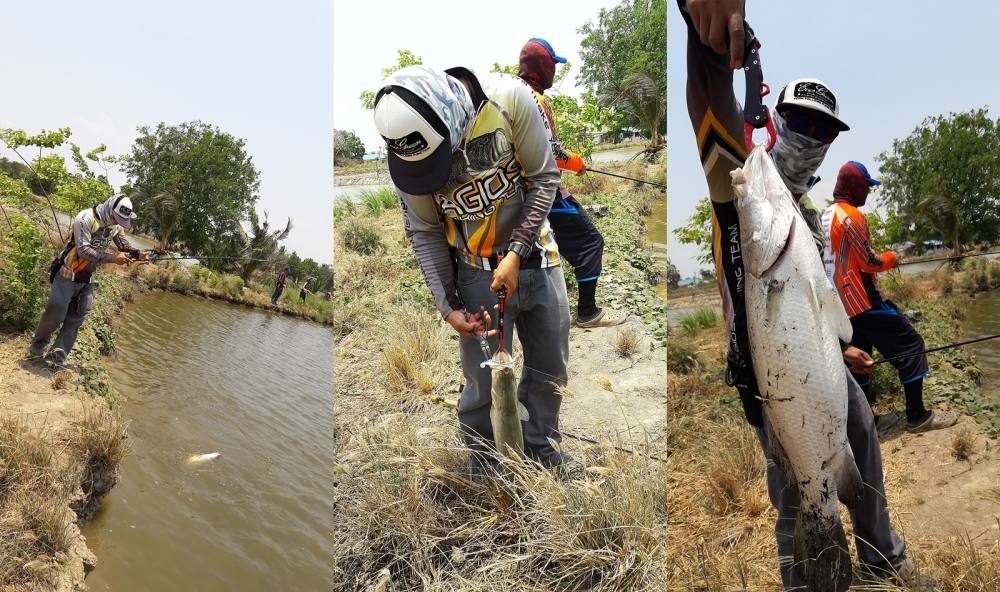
(797,157)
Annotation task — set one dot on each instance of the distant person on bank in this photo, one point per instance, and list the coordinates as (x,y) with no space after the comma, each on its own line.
(279,285)
(93,232)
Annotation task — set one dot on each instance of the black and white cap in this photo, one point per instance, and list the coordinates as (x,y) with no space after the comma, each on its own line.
(422,114)
(811,93)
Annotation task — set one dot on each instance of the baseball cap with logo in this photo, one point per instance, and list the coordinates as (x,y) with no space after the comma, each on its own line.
(422,114)
(813,94)
(121,210)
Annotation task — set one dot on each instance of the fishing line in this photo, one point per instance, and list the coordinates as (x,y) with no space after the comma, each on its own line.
(660,185)
(903,356)
(951,258)
(202,258)
(618,448)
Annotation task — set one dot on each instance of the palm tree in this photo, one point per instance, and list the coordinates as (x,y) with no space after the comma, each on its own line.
(645,98)
(260,245)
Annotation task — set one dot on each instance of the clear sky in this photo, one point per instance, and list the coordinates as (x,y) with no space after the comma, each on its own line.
(259,70)
(891,64)
(452,33)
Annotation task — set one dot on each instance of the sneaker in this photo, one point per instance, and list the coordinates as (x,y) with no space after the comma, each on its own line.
(935,420)
(606,317)
(33,355)
(566,467)
(56,359)
(885,423)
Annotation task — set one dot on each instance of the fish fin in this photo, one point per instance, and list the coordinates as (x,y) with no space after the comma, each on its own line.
(850,487)
(820,551)
(522,412)
(835,313)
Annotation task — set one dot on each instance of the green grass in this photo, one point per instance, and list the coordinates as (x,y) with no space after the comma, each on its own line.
(698,319)
(382,198)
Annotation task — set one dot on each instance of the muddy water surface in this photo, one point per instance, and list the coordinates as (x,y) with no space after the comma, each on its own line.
(982,318)
(200,377)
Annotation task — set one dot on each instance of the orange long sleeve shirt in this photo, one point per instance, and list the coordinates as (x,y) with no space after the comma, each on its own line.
(851,263)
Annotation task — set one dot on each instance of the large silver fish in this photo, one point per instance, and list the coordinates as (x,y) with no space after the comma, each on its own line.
(506,412)
(794,320)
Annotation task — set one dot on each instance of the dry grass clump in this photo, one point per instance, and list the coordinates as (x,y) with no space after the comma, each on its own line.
(100,444)
(411,360)
(409,517)
(35,522)
(627,342)
(963,444)
(62,380)
(962,566)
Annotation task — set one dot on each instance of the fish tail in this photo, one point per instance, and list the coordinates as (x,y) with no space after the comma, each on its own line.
(822,557)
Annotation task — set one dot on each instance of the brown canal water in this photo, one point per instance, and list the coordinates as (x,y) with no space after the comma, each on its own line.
(202,376)
(982,319)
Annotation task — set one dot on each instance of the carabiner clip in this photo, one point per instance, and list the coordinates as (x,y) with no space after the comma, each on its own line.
(755,113)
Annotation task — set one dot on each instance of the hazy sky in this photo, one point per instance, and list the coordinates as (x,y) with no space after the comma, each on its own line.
(891,63)
(261,71)
(453,33)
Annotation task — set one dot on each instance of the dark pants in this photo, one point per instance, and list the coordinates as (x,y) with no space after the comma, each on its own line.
(540,314)
(579,240)
(891,333)
(880,550)
(69,302)
(277,294)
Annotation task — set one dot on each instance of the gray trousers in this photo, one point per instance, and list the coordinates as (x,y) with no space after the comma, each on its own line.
(881,551)
(69,302)
(539,310)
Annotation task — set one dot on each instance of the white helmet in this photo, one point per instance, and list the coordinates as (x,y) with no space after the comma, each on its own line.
(120,207)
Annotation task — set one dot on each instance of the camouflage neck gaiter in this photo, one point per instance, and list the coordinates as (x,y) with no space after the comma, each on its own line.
(797,157)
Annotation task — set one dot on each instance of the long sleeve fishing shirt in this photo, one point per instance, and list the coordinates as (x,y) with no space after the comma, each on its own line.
(501,187)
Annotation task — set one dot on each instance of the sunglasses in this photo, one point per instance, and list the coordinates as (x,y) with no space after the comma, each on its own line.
(815,127)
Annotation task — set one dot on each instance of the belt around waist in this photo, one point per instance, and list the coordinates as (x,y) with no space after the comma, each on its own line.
(533,262)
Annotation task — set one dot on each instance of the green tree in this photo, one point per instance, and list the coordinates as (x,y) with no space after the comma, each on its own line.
(673,275)
(404,58)
(207,170)
(627,39)
(347,146)
(698,230)
(943,180)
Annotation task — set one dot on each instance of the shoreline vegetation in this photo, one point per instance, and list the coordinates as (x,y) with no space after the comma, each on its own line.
(717,470)
(63,435)
(408,515)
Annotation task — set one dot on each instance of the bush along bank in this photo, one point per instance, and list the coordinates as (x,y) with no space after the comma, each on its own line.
(409,516)
(200,281)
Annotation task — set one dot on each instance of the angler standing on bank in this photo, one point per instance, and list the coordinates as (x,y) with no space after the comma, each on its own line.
(851,265)
(92,233)
(579,240)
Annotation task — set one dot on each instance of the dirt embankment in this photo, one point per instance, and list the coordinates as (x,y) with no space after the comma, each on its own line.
(59,455)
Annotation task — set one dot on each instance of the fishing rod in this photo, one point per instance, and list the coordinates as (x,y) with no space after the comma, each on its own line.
(961,343)
(949,258)
(202,258)
(660,185)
